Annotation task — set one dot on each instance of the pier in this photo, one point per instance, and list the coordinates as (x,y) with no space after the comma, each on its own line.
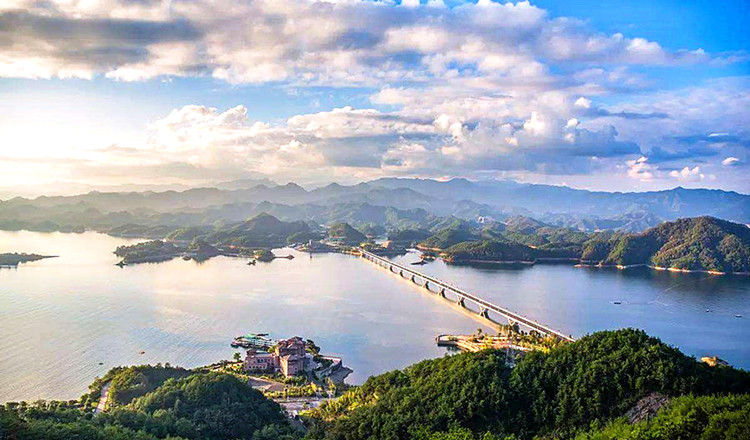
(461,297)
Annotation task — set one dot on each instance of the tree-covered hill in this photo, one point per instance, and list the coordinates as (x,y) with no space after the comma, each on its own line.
(686,417)
(408,236)
(346,234)
(456,232)
(156,404)
(701,243)
(128,383)
(583,389)
(489,250)
(263,230)
(549,395)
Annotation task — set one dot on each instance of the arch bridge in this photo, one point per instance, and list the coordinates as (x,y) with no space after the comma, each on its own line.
(461,297)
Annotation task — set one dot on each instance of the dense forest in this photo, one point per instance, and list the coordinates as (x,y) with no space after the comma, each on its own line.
(701,243)
(548,395)
(152,403)
(588,390)
(346,234)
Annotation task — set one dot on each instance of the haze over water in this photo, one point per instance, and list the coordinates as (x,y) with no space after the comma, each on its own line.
(59,318)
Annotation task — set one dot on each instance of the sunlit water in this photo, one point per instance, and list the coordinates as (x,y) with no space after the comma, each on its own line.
(59,318)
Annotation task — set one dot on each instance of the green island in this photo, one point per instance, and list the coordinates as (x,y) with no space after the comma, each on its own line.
(700,244)
(14,259)
(704,244)
(619,384)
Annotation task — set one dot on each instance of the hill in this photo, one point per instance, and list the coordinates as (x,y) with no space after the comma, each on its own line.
(456,232)
(686,417)
(702,243)
(155,403)
(489,250)
(344,233)
(585,389)
(391,203)
(548,395)
(263,230)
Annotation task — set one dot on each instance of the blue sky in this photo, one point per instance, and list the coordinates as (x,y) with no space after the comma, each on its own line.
(602,94)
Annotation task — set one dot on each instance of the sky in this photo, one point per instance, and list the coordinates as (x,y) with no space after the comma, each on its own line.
(604,95)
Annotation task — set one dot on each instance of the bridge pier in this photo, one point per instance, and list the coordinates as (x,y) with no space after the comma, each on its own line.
(442,289)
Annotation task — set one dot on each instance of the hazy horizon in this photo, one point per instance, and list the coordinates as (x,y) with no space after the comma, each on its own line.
(67,189)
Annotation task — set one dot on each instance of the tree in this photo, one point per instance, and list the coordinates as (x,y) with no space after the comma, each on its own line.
(237,357)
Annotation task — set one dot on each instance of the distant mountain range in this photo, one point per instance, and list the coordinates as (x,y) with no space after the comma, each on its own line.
(390,203)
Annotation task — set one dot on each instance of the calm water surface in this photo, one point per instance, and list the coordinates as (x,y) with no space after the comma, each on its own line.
(59,318)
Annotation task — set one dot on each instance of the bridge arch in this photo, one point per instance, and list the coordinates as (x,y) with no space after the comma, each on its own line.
(485,307)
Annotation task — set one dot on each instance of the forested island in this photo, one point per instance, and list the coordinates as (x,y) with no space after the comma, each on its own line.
(609,385)
(14,259)
(251,238)
(692,244)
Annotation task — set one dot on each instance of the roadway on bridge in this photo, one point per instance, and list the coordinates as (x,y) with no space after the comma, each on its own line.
(462,294)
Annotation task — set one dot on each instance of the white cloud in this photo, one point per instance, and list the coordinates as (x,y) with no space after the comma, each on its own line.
(583,102)
(303,41)
(730,162)
(475,88)
(689,174)
(640,169)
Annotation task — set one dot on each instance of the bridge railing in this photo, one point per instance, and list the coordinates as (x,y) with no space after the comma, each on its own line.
(479,301)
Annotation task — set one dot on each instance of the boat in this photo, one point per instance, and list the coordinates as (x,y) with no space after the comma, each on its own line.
(617,302)
(419,263)
(738,316)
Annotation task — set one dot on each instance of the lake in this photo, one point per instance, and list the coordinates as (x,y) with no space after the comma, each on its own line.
(61,317)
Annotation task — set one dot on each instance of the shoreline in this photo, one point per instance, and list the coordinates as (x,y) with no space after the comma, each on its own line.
(657,268)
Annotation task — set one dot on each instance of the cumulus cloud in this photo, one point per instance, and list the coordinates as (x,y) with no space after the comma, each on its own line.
(688,174)
(481,87)
(640,169)
(266,40)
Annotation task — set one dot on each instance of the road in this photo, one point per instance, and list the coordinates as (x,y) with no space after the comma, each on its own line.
(103,399)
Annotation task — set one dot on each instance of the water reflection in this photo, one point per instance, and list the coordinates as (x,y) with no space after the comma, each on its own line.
(669,305)
(61,317)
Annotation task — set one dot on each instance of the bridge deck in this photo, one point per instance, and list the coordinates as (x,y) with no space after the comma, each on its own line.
(512,316)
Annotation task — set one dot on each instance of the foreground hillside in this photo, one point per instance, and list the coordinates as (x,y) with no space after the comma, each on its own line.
(554,395)
(152,403)
(582,389)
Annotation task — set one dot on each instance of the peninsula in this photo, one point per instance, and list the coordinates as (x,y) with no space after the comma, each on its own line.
(14,259)
(699,244)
